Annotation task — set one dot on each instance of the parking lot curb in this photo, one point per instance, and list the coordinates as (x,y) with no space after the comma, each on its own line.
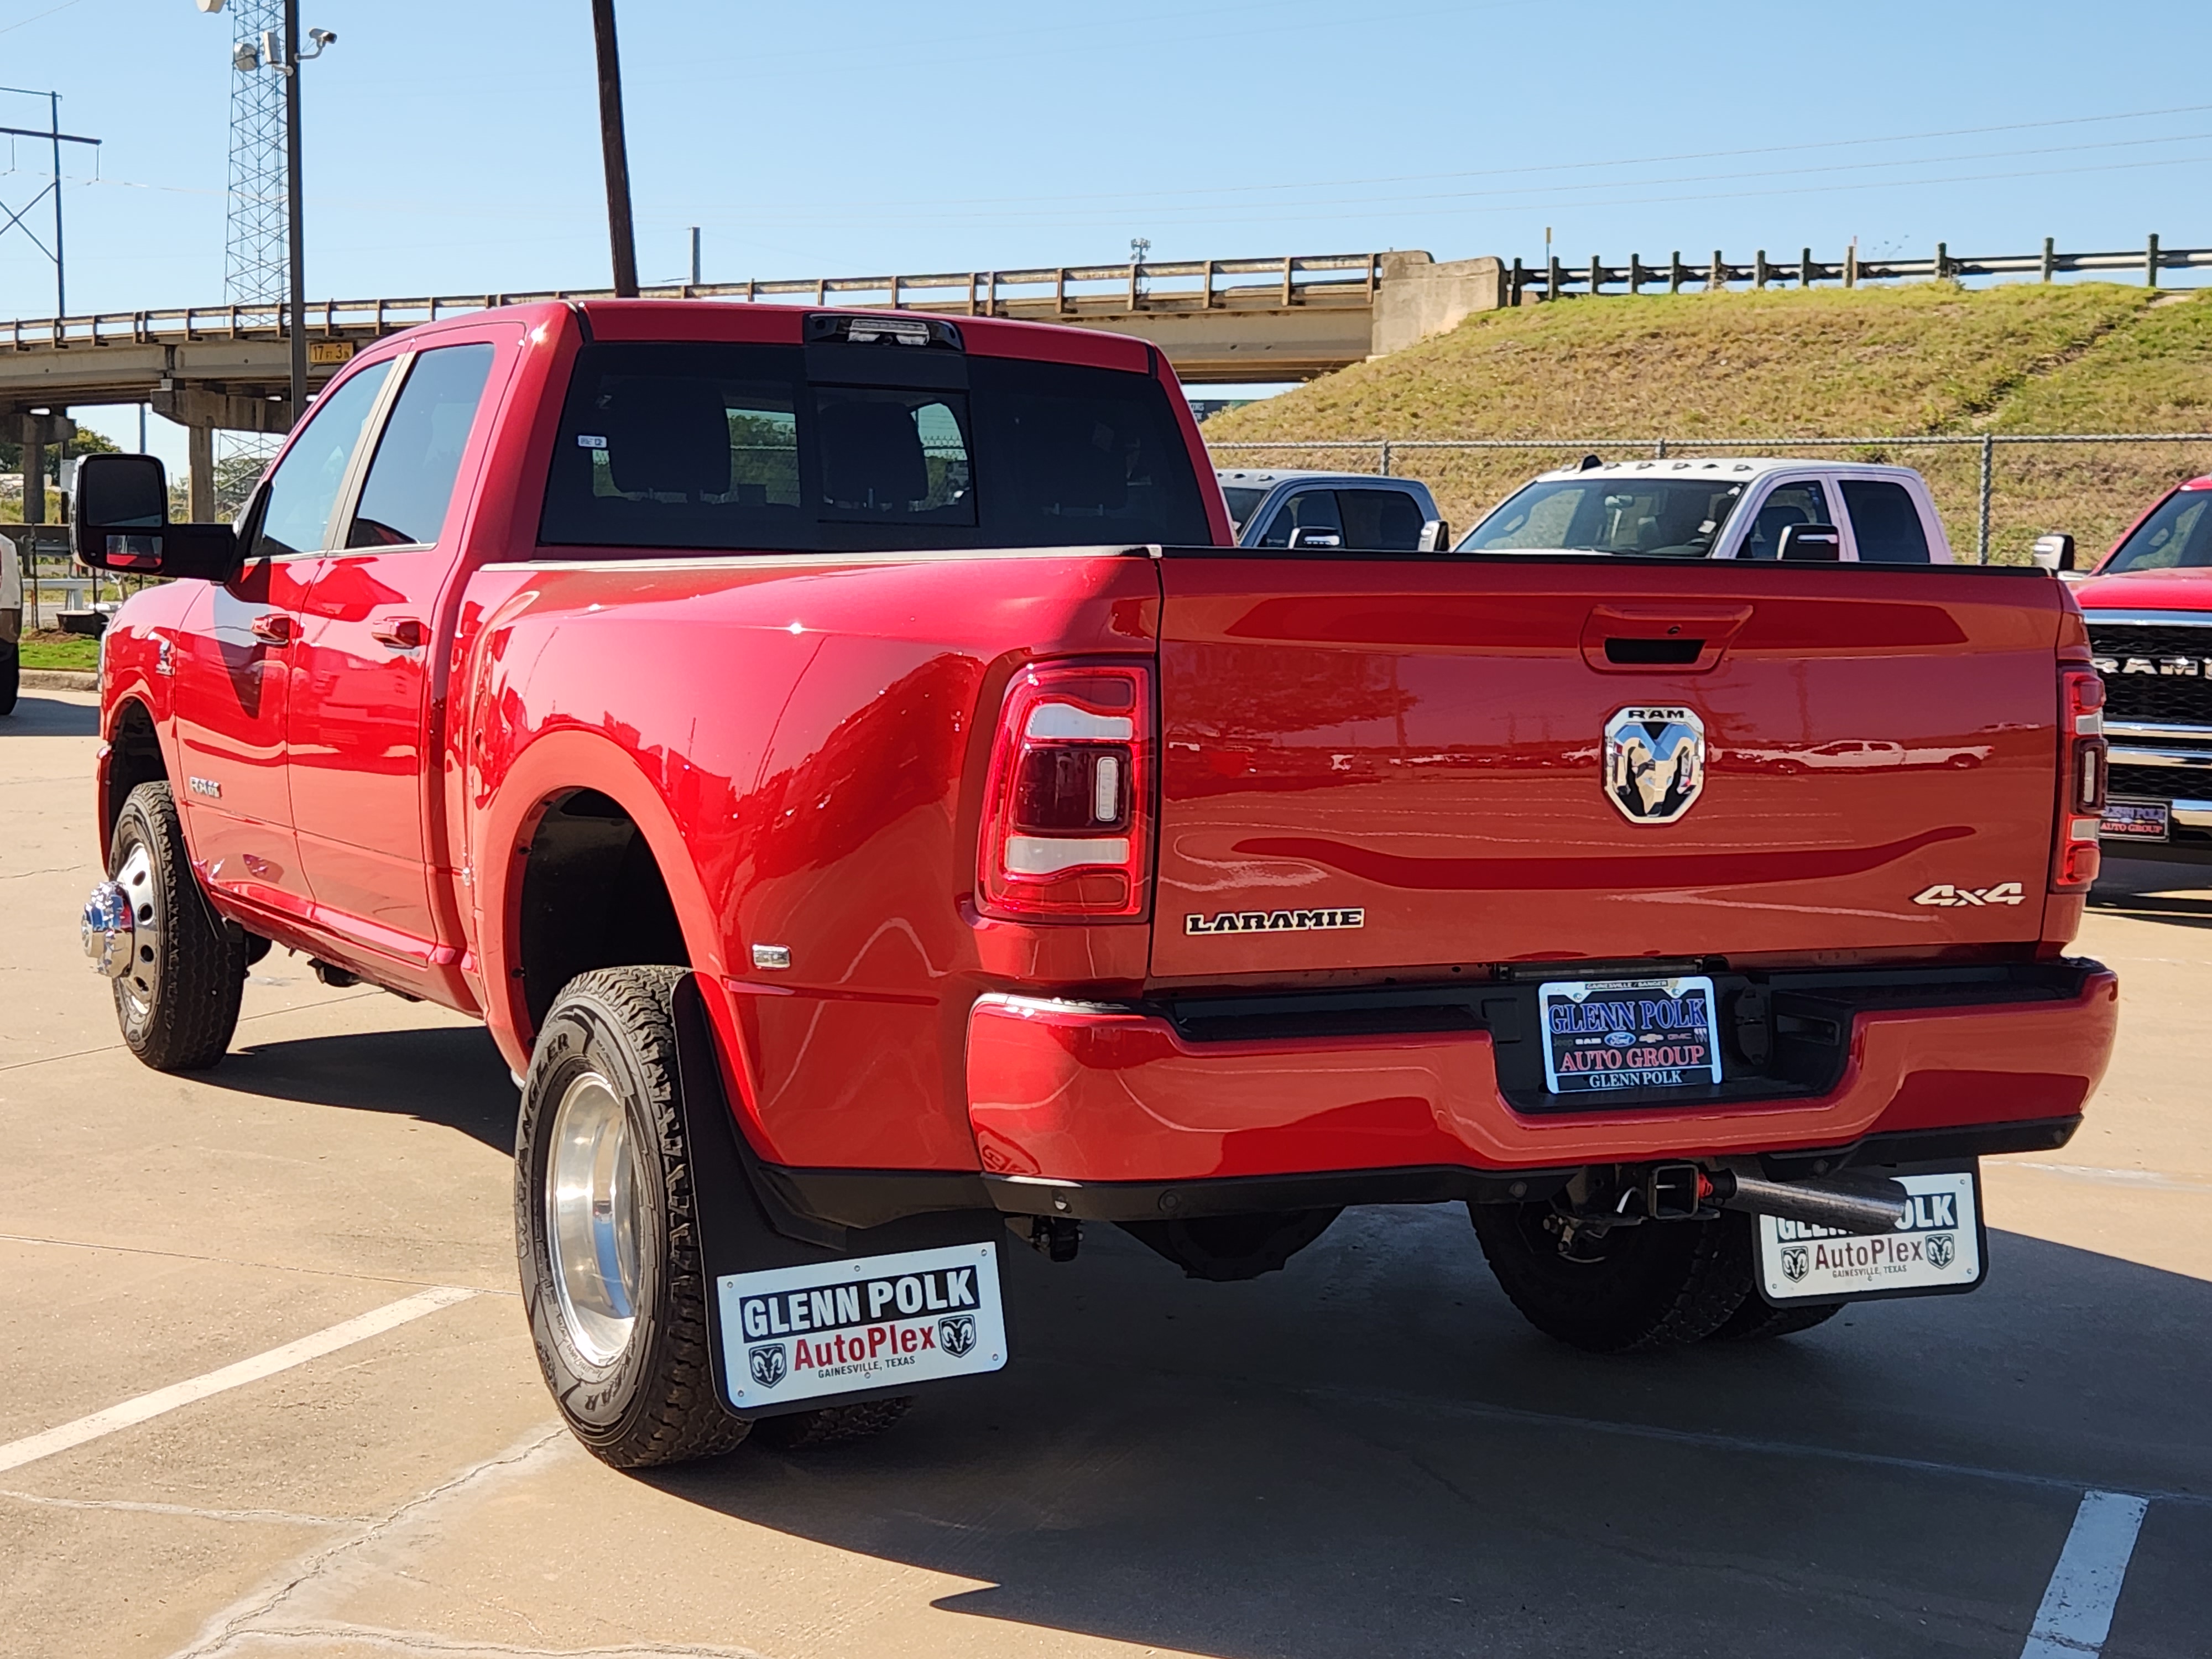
(59,679)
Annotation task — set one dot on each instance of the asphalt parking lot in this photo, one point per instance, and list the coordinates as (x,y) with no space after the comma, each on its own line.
(1367,1454)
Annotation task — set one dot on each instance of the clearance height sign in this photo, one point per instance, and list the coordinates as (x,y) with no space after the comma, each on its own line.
(881,1321)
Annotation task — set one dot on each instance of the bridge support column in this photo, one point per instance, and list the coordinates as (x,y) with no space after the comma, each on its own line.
(199,474)
(34,476)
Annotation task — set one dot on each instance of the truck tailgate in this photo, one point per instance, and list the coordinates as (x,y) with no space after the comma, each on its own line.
(1372,762)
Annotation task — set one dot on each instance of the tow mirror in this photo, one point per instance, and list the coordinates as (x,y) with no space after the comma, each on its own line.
(1436,537)
(123,524)
(1811,542)
(2053,553)
(1316,539)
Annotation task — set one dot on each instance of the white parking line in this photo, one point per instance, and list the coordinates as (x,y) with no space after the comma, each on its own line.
(16,1453)
(2076,1614)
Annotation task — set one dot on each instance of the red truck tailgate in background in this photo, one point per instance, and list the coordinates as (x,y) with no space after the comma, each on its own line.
(1422,741)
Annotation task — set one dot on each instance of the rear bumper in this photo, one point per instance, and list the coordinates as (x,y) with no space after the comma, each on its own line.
(1117,1111)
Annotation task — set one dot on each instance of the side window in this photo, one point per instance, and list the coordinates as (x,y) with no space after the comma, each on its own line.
(1384,520)
(1310,509)
(1886,522)
(1797,501)
(411,481)
(295,514)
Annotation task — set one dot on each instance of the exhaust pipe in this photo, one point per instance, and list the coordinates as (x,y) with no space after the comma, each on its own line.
(1870,1207)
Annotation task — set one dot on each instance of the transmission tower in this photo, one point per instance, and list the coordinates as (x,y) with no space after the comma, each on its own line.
(256,272)
(256,267)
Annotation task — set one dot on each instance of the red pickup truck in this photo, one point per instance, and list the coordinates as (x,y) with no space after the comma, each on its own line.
(877,811)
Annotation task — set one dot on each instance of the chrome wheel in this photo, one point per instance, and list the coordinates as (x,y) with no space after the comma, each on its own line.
(140,980)
(592,1221)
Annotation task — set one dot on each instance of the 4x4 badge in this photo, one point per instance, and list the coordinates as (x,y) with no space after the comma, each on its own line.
(1654,763)
(1944,895)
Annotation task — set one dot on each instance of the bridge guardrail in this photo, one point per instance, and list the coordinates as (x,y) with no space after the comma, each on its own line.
(1039,291)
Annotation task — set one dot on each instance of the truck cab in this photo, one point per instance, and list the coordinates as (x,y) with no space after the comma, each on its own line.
(1366,510)
(1699,508)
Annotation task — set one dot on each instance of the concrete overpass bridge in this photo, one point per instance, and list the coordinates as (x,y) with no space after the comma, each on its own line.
(1289,317)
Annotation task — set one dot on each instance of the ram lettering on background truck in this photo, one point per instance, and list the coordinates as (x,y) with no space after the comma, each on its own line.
(877,812)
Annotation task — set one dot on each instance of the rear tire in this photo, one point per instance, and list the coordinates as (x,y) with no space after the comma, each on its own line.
(611,1278)
(1653,1284)
(1758,1320)
(178,1000)
(830,1425)
(11,675)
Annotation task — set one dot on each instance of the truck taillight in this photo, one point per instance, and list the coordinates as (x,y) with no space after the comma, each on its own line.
(1066,828)
(2081,781)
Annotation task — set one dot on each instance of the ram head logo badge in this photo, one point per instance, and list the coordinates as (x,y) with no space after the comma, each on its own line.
(1654,763)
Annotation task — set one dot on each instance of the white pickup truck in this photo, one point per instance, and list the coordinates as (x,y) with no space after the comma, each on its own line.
(11,623)
(1728,508)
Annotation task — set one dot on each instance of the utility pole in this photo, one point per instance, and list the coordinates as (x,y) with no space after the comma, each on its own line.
(297,246)
(694,256)
(621,240)
(14,219)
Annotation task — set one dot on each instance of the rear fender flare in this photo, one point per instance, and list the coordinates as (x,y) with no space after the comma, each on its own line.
(554,765)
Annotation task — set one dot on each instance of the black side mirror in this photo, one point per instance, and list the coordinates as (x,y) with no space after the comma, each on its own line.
(1811,542)
(1316,539)
(1436,537)
(123,524)
(2053,553)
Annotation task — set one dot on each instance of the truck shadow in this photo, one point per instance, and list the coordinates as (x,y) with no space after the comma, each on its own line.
(450,1075)
(2153,891)
(1370,1454)
(50,717)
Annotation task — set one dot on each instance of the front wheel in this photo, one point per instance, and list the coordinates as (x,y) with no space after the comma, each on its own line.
(1652,1285)
(177,995)
(11,678)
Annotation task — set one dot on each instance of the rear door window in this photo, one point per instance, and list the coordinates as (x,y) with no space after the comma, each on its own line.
(410,482)
(1387,521)
(1886,522)
(734,447)
(1793,501)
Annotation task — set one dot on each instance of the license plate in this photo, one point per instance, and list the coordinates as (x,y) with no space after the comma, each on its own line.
(2138,820)
(1604,1036)
(876,1322)
(1939,1249)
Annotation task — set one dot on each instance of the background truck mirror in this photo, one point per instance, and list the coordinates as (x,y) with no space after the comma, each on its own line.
(123,524)
(1315,539)
(2053,553)
(1436,537)
(1811,542)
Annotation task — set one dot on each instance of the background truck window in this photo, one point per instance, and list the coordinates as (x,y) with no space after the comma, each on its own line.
(1387,521)
(1796,500)
(729,446)
(1241,499)
(1884,522)
(303,491)
(2177,535)
(1674,517)
(418,456)
(1310,509)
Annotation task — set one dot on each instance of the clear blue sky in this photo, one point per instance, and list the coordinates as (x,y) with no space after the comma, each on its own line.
(454,147)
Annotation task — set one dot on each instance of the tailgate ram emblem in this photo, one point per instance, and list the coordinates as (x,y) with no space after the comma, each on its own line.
(1654,763)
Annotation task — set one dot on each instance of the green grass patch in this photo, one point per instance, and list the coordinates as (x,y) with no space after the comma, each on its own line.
(49,648)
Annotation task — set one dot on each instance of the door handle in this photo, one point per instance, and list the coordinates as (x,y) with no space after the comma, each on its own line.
(273,626)
(400,633)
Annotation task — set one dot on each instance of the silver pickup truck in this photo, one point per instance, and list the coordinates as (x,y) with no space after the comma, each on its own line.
(1287,506)
(1730,508)
(11,624)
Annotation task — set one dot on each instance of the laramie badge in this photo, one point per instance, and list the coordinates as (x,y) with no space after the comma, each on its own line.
(1654,763)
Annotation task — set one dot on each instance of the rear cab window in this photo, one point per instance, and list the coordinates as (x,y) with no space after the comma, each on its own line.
(1886,522)
(842,447)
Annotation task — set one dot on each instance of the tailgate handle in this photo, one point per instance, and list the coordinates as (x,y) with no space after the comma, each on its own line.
(1635,639)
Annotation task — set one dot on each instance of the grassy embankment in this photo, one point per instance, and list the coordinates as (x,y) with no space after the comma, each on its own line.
(1929,359)
(51,648)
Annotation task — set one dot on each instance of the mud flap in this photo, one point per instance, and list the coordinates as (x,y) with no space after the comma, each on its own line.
(744,1228)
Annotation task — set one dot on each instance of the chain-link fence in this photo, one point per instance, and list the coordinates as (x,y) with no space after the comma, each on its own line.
(1997,491)
(53,582)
